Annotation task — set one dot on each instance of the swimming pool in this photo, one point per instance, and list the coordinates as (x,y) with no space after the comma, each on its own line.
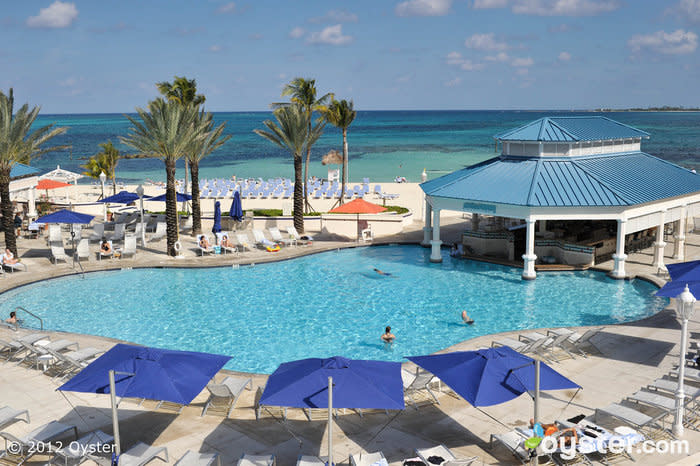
(327,304)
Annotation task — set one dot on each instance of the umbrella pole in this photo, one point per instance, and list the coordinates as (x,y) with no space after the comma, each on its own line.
(115,416)
(537,390)
(330,421)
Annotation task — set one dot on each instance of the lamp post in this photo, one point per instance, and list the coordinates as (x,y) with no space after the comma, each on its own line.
(685,303)
(103,178)
(139,191)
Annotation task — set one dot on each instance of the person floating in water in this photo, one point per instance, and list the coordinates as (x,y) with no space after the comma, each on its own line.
(382,273)
(387,336)
(467,320)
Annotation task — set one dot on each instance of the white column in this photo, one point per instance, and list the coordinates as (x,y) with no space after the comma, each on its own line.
(435,255)
(620,256)
(679,244)
(529,257)
(659,245)
(427,229)
(31,211)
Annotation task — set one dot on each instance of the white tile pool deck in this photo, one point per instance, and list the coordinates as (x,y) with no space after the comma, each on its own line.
(632,356)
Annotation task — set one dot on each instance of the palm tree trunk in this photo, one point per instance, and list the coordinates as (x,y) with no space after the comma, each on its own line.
(298,196)
(8,224)
(196,206)
(345,165)
(114,186)
(307,206)
(170,206)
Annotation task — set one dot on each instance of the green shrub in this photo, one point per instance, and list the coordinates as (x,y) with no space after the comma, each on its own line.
(277,213)
(396,208)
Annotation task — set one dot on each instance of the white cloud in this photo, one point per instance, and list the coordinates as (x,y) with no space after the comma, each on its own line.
(690,10)
(57,15)
(227,8)
(456,59)
(564,7)
(335,16)
(522,71)
(500,57)
(215,48)
(331,35)
(405,78)
(297,33)
(484,4)
(485,42)
(423,8)
(454,82)
(522,62)
(564,56)
(669,43)
(282,76)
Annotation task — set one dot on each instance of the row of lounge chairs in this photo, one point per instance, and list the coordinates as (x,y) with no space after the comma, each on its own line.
(243,242)
(557,344)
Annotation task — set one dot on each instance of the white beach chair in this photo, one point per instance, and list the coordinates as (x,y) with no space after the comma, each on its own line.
(443,452)
(261,241)
(25,447)
(13,267)
(256,460)
(38,352)
(513,441)
(307,460)
(243,241)
(83,249)
(368,459)
(277,237)
(9,416)
(220,238)
(191,458)
(129,248)
(637,419)
(415,384)
(295,234)
(118,234)
(98,231)
(110,254)
(83,449)
(58,253)
(227,393)
(141,454)
(54,233)
(202,251)
(161,231)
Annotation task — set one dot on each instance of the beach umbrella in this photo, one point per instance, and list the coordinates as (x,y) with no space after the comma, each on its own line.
(335,382)
(492,376)
(358,206)
(47,184)
(333,157)
(682,274)
(181,197)
(236,211)
(122,197)
(67,217)
(151,373)
(217,218)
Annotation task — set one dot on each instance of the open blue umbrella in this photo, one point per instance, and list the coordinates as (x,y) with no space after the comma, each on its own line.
(122,197)
(492,376)
(217,218)
(181,197)
(335,382)
(236,211)
(151,373)
(688,270)
(674,288)
(65,216)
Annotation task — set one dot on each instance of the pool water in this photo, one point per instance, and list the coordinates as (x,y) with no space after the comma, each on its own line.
(327,304)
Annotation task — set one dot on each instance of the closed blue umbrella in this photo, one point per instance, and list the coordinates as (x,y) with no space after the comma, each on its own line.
(181,197)
(65,216)
(236,211)
(122,197)
(217,218)
(151,373)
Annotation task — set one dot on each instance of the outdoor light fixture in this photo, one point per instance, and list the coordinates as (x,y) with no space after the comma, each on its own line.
(685,307)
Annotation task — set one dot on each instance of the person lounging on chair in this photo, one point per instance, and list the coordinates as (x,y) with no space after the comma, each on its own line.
(8,261)
(204,245)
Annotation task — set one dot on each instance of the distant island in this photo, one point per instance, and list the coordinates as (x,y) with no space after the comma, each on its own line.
(665,108)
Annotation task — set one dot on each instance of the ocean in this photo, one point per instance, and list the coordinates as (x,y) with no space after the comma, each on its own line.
(382,144)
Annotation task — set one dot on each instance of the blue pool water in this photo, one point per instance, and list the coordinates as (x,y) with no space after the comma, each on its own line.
(327,304)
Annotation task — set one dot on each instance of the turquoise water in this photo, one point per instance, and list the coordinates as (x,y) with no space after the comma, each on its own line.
(382,144)
(327,304)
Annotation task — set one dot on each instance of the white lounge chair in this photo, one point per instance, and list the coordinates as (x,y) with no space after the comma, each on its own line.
(191,458)
(13,267)
(635,418)
(295,234)
(277,237)
(307,460)
(514,442)
(101,253)
(10,416)
(261,241)
(129,248)
(16,346)
(118,234)
(58,253)
(256,460)
(416,383)
(368,459)
(243,241)
(36,353)
(227,393)
(443,452)
(24,447)
(54,234)
(83,249)
(161,231)
(202,251)
(72,361)
(82,449)
(98,231)
(220,238)
(141,454)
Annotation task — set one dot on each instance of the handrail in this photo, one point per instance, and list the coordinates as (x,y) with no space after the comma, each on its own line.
(41,321)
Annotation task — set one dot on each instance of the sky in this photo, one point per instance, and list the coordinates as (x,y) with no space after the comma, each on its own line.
(84,56)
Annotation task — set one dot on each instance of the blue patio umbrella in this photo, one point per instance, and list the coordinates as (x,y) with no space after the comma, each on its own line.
(236,211)
(65,216)
(181,197)
(217,218)
(122,197)
(492,376)
(335,382)
(689,270)
(151,373)
(683,273)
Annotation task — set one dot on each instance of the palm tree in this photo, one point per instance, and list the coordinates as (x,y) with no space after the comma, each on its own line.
(104,162)
(184,92)
(341,114)
(213,140)
(303,92)
(168,131)
(18,144)
(293,132)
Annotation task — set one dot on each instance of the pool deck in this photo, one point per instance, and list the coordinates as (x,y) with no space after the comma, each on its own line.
(631,356)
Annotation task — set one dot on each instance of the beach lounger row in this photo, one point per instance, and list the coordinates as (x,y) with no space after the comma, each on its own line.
(244,243)
(556,345)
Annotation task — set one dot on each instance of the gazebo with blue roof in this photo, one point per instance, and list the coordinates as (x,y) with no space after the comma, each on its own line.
(567,168)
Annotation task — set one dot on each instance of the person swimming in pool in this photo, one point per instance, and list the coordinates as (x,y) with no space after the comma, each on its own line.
(387,336)
(382,273)
(466,319)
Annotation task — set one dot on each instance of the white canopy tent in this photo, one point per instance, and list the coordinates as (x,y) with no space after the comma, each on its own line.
(60,174)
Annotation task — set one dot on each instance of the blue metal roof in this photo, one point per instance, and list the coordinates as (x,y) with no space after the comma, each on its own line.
(583,181)
(20,170)
(572,129)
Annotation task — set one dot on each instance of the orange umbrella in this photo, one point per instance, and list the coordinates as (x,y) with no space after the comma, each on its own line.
(51,184)
(358,206)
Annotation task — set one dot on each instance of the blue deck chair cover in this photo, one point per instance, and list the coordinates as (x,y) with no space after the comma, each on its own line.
(65,216)
(236,211)
(357,384)
(159,374)
(491,376)
(181,197)
(217,218)
(122,197)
